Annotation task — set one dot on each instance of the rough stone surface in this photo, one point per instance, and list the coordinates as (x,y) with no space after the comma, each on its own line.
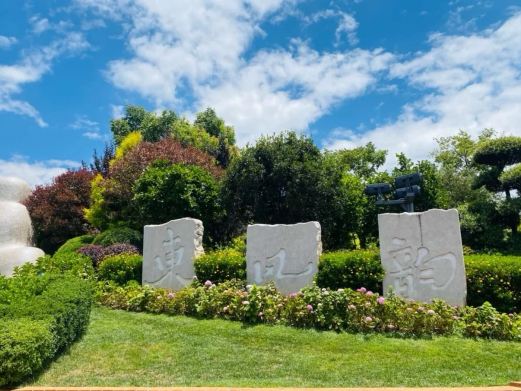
(169,250)
(15,226)
(285,254)
(422,255)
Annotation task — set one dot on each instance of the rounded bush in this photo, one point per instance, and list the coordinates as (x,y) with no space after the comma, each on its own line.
(98,253)
(501,151)
(71,245)
(121,268)
(119,235)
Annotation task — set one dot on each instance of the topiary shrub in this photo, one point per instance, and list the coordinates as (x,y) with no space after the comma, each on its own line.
(71,245)
(351,269)
(119,235)
(221,265)
(41,315)
(121,268)
(57,209)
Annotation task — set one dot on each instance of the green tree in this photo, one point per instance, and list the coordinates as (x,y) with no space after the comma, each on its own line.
(167,191)
(493,156)
(286,179)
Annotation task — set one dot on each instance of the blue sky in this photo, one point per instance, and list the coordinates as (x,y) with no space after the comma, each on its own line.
(397,73)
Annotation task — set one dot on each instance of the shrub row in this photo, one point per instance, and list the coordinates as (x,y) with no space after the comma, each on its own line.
(41,314)
(492,278)
(314,307)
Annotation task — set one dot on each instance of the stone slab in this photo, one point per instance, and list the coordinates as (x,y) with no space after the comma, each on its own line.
(422,255)
(169,251)
(285,254)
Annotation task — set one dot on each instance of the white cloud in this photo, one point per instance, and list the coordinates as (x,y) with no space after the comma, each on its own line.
(281,90)
(35,173)
(89,128)
(201,45)
(7,42)
(347,24)
(30,69)
(469,82)
(39,25)
(118,111)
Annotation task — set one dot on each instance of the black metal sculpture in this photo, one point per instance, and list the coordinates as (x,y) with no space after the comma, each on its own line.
(406,188)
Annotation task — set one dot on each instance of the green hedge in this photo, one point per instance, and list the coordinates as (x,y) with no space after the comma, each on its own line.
(351,269)
(71,245)
(119,235)
(496,279)
(121,268)
(221,265)
(40,315)
(492,278)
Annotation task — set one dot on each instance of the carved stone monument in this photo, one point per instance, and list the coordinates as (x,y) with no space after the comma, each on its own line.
(15,226)
(168,252)
(285,254)
(422,255)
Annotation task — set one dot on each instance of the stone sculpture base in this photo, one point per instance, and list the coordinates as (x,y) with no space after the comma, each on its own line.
(285,254)
(422,255)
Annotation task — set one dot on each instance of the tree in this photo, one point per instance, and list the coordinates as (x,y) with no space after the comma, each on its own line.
(57,209)
(111,195)
(286,179)
(494,156)
(167,191)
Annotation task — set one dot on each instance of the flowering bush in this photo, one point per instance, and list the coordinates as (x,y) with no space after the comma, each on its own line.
(314,307)
(98,253)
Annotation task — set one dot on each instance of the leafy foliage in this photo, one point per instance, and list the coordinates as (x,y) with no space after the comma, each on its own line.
(168,191)
(112,195)
(71,245)
(286,179)
(501,152)
(97,253)
(323,309)
(121,268)
(119,235)
(221,265)
(57,209)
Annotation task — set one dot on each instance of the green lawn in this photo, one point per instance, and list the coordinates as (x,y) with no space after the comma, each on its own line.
(123,349)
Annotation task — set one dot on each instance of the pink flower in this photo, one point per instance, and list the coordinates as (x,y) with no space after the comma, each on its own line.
(431,312)
(361,290)
(292,295)
(351,307)
(380,300)
(171,295)
(309,307)
(225,309)
(390,326)
(245,302)
(208,283)
(368,319)
(369,293)
(260,314)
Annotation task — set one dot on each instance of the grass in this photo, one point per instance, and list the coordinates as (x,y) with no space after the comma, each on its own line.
(131,349)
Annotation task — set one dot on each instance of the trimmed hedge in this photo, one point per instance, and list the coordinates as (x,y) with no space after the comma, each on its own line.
(221,265)
(490,278)
(41,315)
(121,268)
(351,269)
(496,279)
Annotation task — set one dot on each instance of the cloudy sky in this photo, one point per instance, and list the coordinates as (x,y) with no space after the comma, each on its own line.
(399,73)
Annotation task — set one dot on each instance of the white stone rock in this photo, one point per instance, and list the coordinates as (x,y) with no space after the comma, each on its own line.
(285,254)
(422,255)
(13,189)
(169,251)
(15,226)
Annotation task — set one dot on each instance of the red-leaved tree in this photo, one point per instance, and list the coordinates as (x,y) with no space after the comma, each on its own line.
(57,209)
